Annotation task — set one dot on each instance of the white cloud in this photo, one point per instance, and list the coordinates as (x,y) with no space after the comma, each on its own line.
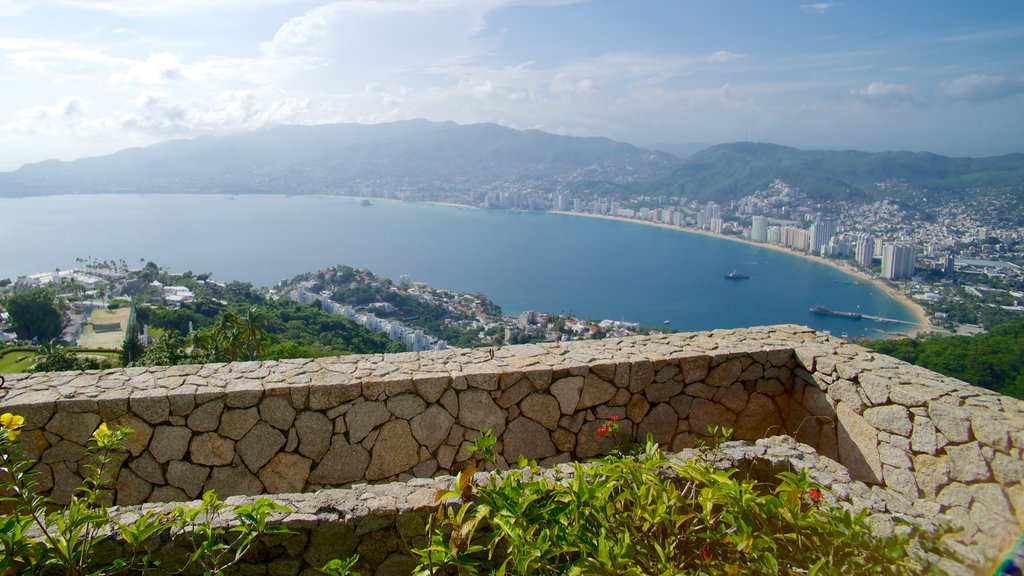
(982,88)
(45,119)
(886,94)
(159,68)
(9,8)
(819,7)
(724,56)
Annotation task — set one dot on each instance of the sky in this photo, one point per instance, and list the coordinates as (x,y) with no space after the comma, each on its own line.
(90,77)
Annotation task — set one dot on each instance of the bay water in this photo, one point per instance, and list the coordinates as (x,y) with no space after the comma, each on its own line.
(555,263)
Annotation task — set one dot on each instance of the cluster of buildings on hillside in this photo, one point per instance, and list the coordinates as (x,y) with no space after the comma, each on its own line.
(414,340)
(470,314)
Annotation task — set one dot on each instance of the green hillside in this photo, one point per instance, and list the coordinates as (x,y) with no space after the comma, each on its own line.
(994,360)
(731,171)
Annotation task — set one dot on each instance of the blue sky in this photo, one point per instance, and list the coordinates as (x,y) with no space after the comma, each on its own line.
(87,77)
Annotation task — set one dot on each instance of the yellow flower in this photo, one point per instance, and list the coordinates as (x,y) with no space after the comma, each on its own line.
(12,423)
(103,436)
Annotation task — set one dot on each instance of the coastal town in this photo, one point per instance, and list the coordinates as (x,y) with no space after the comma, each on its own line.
(954,263)
(957,265)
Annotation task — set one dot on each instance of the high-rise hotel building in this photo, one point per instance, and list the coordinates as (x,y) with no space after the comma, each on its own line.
(898,261)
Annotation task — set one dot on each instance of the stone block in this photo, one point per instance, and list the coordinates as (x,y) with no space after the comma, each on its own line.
(314,431)
(406,406)
(363,418)
(694,369)
(211,449)
(169,443)
(430,387)
(893,419)
(285,473)
(967,463)
(151,405)
(76,427)
(759,418)
(237,423)
(259,445)
(187,476)
(567,391)
(432,426)
(858,446)
(875,387)
(542,408)
(659,392)
(131,489)
(1007,470)
(278,412)
(949,419)
(141,434)
(660,423)
(705,414)
(206,416)
(396,450)
(479,412)
(233,481)
(901,480)
(641,374)
(527,438)
(637,408)
(725,374)
(734,397)
(932,473)
(594,392)
(924,438)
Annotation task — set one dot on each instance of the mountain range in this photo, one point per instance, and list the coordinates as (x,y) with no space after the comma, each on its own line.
(420,158)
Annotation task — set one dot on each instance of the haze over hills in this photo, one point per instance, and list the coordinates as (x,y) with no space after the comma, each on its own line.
(425,158)
(342,158)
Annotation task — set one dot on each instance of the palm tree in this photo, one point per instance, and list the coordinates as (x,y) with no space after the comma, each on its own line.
(251,333)
(225,341)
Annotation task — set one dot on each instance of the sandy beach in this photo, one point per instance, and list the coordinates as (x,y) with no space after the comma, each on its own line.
(922,326)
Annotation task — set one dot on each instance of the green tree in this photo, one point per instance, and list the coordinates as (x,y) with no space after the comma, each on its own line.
(131,348)
(55,358)
(35,313)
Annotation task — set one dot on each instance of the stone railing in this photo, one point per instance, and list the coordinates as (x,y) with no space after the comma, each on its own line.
(927,444)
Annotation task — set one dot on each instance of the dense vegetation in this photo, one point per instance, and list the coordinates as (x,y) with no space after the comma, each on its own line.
(994,360)
(286,330)
(35,313)
(730,171)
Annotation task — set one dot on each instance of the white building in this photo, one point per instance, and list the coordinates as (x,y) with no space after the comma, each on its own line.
(759,229)
(864,252)
(821,232)
(898,261)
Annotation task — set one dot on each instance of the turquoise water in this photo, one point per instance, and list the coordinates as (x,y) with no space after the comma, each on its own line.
(523,261)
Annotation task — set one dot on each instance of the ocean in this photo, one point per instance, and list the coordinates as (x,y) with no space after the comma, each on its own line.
(555,263)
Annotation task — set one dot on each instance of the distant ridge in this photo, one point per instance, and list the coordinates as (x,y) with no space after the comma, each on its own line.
(439,159)
(729,171)
(336,158)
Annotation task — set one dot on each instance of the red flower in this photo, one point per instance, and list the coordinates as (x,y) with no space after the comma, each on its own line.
(815,495)
(603,431)
(706,554)
(614,418)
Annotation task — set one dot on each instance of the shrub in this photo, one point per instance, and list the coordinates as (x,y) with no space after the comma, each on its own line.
(647,515)
(39,538)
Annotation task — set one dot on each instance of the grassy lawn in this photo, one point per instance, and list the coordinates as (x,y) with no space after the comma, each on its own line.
(16,361)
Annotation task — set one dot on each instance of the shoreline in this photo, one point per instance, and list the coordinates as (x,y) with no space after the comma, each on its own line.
(922,326)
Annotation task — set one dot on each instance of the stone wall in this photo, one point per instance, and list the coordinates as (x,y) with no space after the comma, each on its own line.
(923,442)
